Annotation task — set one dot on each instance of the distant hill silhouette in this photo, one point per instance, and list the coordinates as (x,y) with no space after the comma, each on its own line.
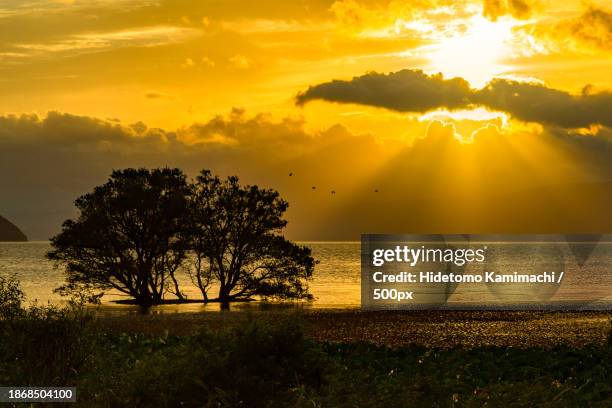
(9,232)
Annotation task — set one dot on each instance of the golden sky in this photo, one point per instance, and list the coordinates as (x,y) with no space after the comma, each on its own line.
(444,107)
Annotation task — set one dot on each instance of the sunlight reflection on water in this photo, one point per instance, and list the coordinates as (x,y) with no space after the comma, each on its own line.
(336,282)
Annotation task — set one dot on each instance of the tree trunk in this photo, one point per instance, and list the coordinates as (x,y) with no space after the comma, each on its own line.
(201,286)
(176,287)
(224,297)
(144,298)
(144,302)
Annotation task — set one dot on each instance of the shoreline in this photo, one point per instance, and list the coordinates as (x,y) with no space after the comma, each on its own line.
(133,302)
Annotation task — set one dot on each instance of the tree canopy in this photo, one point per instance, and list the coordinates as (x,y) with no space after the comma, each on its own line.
(144,230)
(237,242)
(127,236)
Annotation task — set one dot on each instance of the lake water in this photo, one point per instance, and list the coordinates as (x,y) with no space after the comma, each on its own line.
(336,283)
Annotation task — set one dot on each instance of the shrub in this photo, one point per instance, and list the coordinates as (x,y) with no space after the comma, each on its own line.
(40,345)
(251,366)
(11,297)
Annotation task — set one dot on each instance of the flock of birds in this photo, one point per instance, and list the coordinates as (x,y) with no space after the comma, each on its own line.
(332,191)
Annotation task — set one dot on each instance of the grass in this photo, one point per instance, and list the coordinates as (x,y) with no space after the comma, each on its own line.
(271,363)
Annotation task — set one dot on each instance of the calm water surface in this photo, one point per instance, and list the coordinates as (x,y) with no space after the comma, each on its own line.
(336,283)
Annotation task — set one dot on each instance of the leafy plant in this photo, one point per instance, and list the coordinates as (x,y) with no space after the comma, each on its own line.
(11,297)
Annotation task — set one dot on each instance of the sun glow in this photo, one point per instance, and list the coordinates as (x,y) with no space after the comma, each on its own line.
(477,114)
(475,52)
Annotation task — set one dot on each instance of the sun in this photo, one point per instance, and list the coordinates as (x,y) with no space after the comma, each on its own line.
(475,52)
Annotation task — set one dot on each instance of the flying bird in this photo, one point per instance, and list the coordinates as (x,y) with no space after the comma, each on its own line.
(314,188)
(290,174)
(333,191)
(376,190)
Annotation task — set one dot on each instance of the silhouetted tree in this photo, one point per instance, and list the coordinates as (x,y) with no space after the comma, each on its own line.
(127,235)
(235,235)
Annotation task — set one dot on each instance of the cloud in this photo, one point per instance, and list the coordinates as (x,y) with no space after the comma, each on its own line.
(404,91)
(140,37)
(415,91)
(362,15)
(493,9)
(46,162)
(240,61)
(159,95)
(594,26)
(590,32)
(236,132)
(268,26)
(538,103)
(503,181)
(188,63)
(207,62)
(65,131)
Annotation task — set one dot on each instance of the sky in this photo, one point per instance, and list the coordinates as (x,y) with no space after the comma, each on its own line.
(422,116)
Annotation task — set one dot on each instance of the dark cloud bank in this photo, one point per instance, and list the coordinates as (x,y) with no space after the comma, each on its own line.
(46,162)
(415,91)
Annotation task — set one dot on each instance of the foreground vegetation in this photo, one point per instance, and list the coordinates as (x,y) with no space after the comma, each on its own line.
(261,363)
